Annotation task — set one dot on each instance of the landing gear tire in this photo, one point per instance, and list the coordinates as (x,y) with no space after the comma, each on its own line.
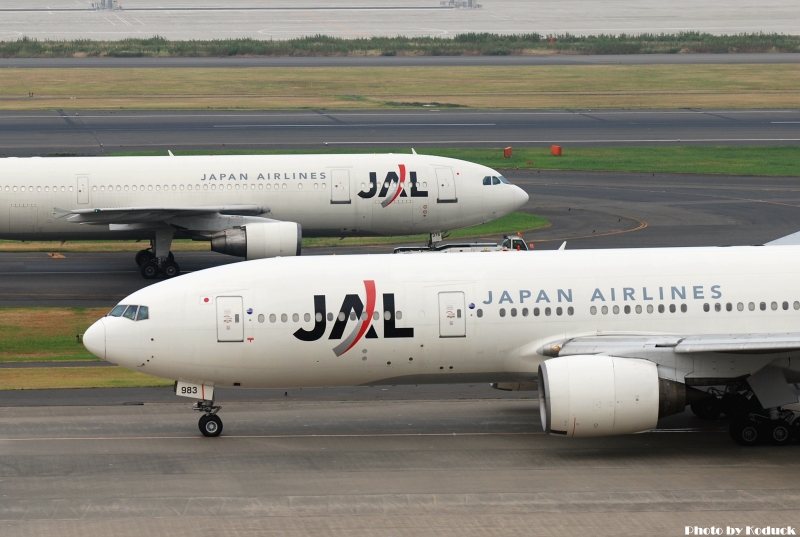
(210,425)
(707,409)
(779,433)
(149,270)
(745,432)
(170,269)
(144,256)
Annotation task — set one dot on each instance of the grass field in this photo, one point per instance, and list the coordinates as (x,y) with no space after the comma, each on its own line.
(461,44)
(528,87)
(45,334)
(36,378)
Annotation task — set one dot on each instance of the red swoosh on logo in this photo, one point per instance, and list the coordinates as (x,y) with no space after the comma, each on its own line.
(399,186)
(370,310)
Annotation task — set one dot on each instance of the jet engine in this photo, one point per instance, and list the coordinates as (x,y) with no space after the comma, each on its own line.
(590,395)
(260,240)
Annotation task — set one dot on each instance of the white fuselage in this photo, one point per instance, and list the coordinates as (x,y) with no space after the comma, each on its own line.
(450,318)
(326,194)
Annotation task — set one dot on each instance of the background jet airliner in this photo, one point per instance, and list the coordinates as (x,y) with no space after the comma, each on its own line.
(249,206)
(614,338)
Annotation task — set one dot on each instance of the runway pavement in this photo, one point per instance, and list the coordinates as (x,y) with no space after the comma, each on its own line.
(83,132)
(587,209)
(399,61)
(469,467)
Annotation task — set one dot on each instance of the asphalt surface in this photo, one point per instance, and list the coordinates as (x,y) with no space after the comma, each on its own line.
(287,19)
(400,61)
(96,133)
(587,209)
(391,467)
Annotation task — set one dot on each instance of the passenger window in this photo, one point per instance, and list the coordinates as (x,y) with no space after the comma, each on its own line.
(487,181)
(144,313)
(117,311)
(495,181)
(130,313)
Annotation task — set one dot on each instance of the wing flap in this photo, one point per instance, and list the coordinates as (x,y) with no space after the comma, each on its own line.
(739,343)
(143,215)
(742,343)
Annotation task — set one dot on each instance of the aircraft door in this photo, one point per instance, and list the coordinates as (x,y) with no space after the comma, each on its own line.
(447,185)
(83,189)
(340,186)
(230,318)
(452,315)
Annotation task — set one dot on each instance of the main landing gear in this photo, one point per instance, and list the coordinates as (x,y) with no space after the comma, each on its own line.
(210,424)
(158,259)
(751,423)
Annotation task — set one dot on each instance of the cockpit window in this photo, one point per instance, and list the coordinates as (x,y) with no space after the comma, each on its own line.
(134,313)
(504,180)
(495,181)
(117,311)
(487,180)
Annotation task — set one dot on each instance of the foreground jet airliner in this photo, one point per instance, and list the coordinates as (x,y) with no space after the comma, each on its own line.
(614,338)
(254,206)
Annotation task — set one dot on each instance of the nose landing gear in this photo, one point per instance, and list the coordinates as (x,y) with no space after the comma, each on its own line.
(210,424)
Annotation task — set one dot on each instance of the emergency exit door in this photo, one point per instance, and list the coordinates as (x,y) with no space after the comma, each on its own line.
(83,189)
(452,316)
(447,185)
(230,318)
(340,186)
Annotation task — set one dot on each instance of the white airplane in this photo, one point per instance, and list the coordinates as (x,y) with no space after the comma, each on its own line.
(249,206)
(615,339)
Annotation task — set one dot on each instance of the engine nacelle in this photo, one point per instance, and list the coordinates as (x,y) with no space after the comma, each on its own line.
(605,395)
(259,241)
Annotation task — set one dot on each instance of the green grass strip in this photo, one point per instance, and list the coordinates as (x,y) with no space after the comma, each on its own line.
(509,224)
(461,44)
(727,160)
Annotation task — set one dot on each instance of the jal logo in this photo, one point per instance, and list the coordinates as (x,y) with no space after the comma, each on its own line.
(393,186)
(353,308)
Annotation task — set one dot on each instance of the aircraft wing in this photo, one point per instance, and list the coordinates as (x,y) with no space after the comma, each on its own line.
(788,240)
(146,215)
(737,343)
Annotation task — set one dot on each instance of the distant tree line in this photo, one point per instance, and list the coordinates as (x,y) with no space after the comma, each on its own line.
(469,44)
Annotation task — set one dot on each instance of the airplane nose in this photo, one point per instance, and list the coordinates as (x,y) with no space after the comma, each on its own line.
(95,339)
(520,197)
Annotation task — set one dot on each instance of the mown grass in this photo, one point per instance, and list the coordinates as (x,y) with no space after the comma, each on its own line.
(463,44)
(45,334)
(729,160)
(179,245)
(509,224)
(36,378)
(506,87)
